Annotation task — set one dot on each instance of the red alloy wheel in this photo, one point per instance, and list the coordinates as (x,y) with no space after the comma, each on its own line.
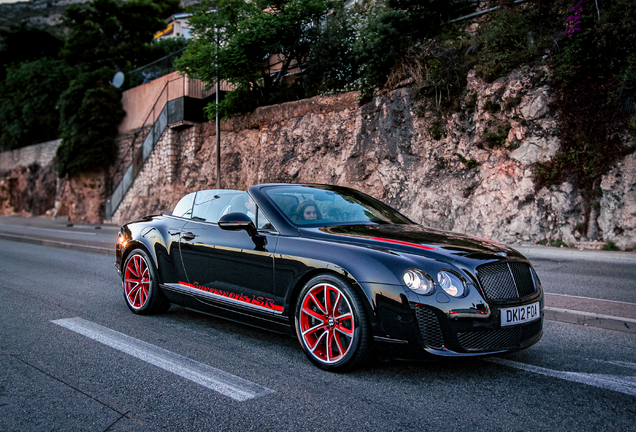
(137,282)
(327,323)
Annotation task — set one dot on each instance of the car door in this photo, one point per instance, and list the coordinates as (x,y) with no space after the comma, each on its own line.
(228,267)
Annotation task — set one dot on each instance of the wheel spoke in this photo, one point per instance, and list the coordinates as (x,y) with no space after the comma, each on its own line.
(345,331)
(327,299)
(341,350)
(312,349)
(334,309)
(344,316)
(313,329)
(313,314)
(317,303)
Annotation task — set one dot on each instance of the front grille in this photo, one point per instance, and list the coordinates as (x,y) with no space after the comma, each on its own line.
(503,281)
(429,327)
(499,339)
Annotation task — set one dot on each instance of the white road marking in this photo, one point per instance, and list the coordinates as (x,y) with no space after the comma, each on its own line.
(616,363)
(589,314)
(222,382)
(591,298)
(621,384)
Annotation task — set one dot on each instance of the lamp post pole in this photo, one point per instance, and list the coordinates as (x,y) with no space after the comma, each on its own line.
(218,123)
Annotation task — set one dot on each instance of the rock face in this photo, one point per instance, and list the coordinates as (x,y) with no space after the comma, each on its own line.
(28,190)
(476,178)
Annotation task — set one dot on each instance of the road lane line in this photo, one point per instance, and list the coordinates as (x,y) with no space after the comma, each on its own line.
(621,384)
(591,298)
(222,382)
(616,363)
(589,314)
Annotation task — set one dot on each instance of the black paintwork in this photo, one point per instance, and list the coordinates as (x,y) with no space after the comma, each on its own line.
(268,268)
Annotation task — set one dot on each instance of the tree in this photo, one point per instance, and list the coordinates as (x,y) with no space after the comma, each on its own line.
(40,43)
(234,39)
(105,36)
(29,112)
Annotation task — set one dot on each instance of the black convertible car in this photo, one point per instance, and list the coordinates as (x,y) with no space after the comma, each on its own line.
(342,270)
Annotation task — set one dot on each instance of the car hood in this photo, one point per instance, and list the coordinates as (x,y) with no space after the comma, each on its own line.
(417,240)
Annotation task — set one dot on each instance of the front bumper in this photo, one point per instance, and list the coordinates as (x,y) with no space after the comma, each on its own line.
(418,325)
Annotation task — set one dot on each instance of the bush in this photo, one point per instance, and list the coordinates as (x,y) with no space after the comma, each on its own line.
(90,110)
(610,246)
(498,139)
(29,113)
(508,40)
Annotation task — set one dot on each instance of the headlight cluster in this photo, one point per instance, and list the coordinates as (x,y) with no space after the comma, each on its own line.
(418,281)
(451,284)
(421,283)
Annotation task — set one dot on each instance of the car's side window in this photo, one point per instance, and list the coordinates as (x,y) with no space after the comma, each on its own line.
(210,205)
(183,208)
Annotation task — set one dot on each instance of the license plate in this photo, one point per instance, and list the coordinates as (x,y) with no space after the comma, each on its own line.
(520,314)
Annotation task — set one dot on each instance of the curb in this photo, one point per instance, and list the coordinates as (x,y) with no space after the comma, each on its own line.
(607,322)
(574,254)
(58,244)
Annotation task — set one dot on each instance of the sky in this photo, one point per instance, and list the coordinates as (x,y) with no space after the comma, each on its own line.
(11,1)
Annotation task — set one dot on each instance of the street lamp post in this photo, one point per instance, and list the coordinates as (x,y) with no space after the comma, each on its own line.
(218,123)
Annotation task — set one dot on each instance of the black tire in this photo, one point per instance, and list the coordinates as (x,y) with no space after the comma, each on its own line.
(141,285)
(332,324)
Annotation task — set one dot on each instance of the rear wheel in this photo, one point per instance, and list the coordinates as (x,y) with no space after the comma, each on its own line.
(141,287)
(331,324)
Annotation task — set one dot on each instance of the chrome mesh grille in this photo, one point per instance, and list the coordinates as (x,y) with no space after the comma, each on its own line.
(499,339)
(504,281)
(429,327)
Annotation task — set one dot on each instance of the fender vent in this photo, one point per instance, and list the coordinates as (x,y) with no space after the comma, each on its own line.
(429,327)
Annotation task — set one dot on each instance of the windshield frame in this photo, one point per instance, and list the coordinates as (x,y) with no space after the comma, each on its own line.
(363,200)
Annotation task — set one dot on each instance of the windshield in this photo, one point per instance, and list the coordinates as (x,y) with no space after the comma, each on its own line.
(326,205)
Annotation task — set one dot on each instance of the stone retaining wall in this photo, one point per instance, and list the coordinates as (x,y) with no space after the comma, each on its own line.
(42,154)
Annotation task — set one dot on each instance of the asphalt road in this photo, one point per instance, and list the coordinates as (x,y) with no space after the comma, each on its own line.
(55,378)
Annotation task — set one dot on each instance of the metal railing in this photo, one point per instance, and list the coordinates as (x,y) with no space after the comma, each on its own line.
(167,109)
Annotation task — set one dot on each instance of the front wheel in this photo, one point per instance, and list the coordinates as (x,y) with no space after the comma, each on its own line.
(332,324)
(141,287)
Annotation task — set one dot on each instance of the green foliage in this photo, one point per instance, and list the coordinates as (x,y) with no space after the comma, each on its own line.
(610,246)
(498,139)
(112,33)
(510,39)
(40,43)
(249,33)
(470,164)
(492,107)
(390,30)
(435,129)
(90,111)
(104,36)
(595,77)
(29,95)
(331,63)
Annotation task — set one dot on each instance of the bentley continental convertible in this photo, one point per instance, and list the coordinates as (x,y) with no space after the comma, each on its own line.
(345,273)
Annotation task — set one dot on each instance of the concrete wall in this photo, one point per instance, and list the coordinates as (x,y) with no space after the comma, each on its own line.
(42,154)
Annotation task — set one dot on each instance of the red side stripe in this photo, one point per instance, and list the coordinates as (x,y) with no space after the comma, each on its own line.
(403,243)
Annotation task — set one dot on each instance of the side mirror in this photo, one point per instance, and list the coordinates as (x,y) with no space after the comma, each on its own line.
(237,221)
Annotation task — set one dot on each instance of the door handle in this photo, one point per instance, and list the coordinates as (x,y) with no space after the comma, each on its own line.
(187,236)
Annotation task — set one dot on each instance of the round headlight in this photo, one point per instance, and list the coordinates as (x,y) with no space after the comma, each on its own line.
(451,284)
(418,281)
